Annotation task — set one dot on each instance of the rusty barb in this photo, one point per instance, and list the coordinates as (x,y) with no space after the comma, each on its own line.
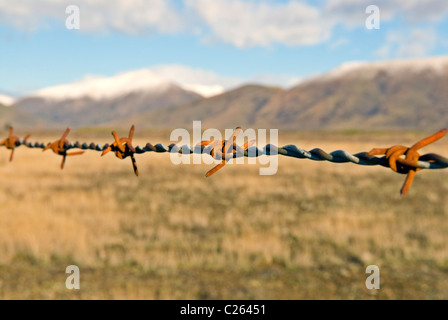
(61,146)
(122,147)
(12,142)
(223,150)
(400,159)
(409,165)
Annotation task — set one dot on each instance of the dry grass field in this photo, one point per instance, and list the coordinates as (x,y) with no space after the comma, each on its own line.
(308,232)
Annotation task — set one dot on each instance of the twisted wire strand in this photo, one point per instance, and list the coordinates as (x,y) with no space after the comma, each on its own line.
(225,150)
(426,161)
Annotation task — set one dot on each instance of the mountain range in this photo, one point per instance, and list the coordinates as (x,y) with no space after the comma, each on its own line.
(395,94)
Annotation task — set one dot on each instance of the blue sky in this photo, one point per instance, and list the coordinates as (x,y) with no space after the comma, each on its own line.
(272,42)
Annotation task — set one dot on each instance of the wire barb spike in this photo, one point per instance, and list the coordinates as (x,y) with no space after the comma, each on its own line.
(408,165)
(60,147)
(12,142)
(122,147)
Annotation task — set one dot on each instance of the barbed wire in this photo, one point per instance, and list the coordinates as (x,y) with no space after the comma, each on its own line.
(224,150)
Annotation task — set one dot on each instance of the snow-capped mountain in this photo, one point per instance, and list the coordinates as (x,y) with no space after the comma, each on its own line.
(96,100)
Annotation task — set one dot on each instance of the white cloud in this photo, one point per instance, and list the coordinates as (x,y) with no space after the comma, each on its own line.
(247,23)
(239,22)
(250,23)
(242,23)
(127,16)
(426,10)
(352,12)
(416,43)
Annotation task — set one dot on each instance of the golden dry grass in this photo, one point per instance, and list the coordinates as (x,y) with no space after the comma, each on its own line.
(307,232)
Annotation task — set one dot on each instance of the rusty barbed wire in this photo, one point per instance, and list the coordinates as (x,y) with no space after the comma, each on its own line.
(223,151)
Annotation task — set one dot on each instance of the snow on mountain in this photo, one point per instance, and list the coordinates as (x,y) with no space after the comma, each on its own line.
(368,70)
(6,100)
(98,88)
(155,79)
(205,90)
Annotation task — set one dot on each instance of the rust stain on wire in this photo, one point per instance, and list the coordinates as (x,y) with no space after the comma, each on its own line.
(400,159)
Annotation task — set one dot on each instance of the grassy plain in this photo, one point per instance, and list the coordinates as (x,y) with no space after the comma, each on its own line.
(308,232)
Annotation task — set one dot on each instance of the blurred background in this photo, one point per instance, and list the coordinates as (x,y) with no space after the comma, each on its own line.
(331,74)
